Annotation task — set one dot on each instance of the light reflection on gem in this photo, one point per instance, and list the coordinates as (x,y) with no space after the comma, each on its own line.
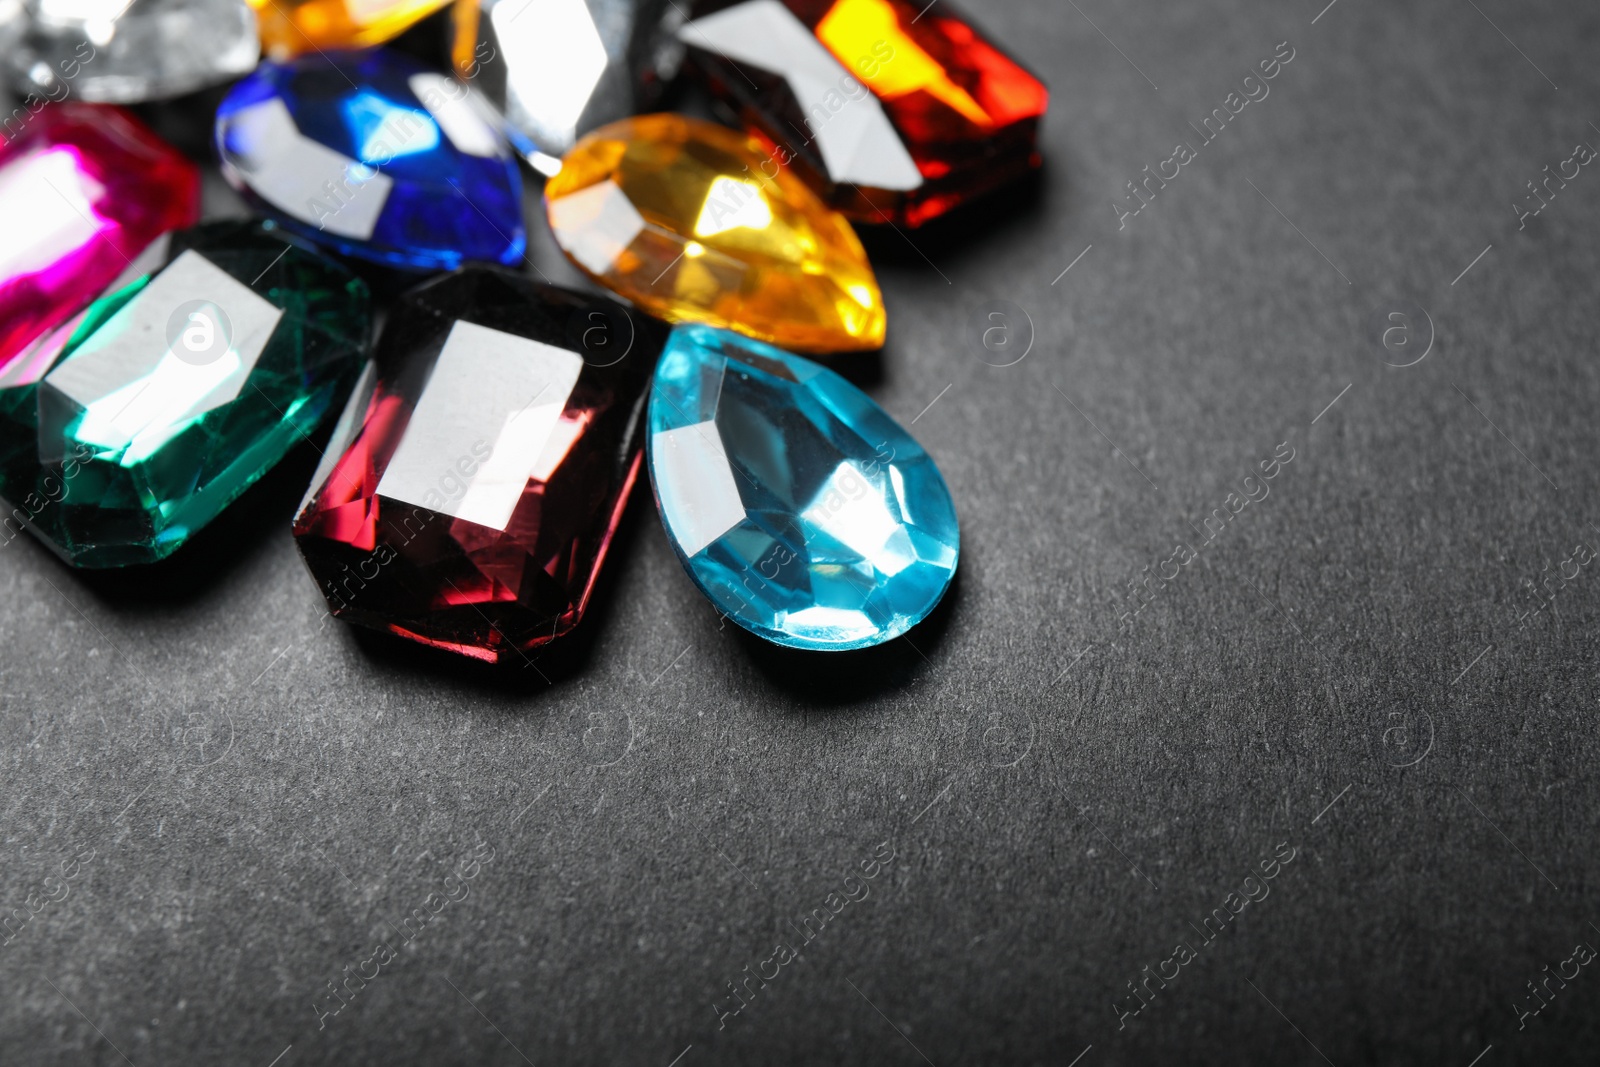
(854,29)
(59,218)
(731,203)
(385,130)
(558,81)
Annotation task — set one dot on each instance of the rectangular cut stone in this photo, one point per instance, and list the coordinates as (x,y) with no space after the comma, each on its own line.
(473,495)
(176,391)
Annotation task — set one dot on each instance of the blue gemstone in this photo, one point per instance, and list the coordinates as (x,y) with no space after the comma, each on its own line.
(375,156)
(799,507)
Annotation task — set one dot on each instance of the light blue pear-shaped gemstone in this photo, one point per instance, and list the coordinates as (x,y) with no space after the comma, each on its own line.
(799,507)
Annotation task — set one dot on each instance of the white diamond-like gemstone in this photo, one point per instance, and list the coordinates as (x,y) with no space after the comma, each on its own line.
(124,53)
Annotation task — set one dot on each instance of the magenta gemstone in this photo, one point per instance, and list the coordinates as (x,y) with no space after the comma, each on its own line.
(83,189)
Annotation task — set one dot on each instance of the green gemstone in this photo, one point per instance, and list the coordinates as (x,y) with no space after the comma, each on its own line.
(134,425)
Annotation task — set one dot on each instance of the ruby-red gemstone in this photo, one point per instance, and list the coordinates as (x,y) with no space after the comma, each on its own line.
(84,189)
(475,480)
(898,110)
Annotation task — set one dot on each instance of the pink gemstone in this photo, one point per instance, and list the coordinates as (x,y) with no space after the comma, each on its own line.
(83,190)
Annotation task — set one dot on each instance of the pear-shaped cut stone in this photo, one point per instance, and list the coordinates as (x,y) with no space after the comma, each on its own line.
(128,52)
(472,487)
(374,156)
(697,223)
(170,396)
(798,506)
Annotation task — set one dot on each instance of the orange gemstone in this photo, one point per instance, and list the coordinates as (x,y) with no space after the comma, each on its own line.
(290,27)
(696,222)
(897,110)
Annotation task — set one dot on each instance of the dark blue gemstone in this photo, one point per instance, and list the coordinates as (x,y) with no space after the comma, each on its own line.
(373,155)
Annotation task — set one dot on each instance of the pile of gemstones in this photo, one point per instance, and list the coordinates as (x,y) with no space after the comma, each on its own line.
(485,442)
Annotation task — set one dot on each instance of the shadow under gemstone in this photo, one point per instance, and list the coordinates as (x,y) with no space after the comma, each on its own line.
(839,680)
(985,220)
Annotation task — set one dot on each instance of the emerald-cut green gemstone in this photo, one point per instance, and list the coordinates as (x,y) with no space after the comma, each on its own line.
(130,428)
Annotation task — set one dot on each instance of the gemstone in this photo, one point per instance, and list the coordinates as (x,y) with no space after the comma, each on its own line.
(128,51)
(556,69)
(897,109)
(374,156)
(695,222)
(797,505)
(475,480)
(291,27)
(83,189)
(10,30)
(126,431)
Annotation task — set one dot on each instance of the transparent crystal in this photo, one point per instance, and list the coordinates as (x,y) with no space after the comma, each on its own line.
(111,51)
(557,69)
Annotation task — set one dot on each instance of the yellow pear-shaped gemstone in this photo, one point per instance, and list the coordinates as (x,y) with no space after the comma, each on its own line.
(290,27)
(696,222)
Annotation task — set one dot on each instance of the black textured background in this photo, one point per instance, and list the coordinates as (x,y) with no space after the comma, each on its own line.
(263,794)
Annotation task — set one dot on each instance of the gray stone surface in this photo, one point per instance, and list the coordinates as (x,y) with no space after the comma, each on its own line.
(257,800)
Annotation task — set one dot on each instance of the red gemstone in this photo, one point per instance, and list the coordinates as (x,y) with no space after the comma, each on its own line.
(83,190)
(475,480)
(897,110)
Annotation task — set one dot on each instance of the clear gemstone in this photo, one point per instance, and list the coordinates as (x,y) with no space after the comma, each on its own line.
(557,69)
(113,51)
(798,506)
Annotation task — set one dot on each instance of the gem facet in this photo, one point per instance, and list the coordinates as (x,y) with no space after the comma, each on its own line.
(173,394)
(798,506)
(473,485)
(695,222)
(125,53)
(559,68)
(897,109)
(83,189)
(291,27)
(372,155)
